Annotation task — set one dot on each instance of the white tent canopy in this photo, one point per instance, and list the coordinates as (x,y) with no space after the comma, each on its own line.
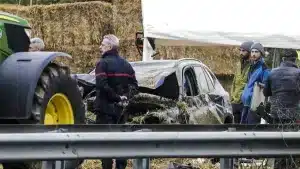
(274,23)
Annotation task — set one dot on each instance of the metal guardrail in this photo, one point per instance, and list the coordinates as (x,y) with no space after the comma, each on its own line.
(73,142)
(95,145)
(33,128)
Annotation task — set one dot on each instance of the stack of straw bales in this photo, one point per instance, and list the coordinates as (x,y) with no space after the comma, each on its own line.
(77,28)
(74,28)
(75,24)
(127,18)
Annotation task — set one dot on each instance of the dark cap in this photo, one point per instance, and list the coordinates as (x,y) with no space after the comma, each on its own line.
(247,45)
(290,53)
(259,47)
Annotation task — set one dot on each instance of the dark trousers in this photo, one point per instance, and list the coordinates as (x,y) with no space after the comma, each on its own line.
(107,119)
(244,116)
(249,117)
(237,112)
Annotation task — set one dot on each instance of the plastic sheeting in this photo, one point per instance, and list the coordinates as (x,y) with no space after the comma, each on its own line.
(218,22)
(148,74)
(152,74)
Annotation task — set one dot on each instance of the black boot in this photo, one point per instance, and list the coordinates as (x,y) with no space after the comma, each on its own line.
(121,163)
(107,163)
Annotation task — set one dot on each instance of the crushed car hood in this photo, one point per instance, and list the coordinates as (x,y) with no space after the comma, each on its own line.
(87,78)
(150,76)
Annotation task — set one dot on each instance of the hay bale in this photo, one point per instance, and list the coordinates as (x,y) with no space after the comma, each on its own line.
(221,60)
(226,81)
(11,8)
(86,56)
(18,10)
(129,51)
(49,2)
(76,24)
(35,21)
(67,24)
(74,1)
(31,14)
(127,18)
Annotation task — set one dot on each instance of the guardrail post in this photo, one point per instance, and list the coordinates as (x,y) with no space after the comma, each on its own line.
(141,163)
(227,163)
(55,164)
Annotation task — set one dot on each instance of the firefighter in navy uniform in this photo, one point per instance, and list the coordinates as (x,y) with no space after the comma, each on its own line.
(115,82)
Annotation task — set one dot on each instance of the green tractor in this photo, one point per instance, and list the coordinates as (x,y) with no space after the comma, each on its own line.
(34,89)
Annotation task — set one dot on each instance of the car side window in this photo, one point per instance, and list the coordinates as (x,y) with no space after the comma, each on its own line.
(190,83)
(201,79)
(210,81)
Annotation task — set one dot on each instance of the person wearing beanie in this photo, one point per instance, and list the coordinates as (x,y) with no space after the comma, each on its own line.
(240,80)
(282,87)
(258,73)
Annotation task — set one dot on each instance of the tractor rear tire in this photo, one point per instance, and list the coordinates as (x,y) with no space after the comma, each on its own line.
(57,100)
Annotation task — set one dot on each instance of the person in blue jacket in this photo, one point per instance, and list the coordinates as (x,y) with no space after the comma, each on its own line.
(258,73)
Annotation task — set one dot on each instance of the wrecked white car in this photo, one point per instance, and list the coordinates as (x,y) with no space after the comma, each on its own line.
(181,91)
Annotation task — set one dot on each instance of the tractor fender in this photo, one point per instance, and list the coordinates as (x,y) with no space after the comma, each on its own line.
(19,75)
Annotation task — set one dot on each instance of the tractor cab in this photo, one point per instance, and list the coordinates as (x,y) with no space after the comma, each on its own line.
(14,35)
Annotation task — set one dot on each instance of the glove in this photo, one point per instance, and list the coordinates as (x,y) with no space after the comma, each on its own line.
(260,111)
(122,104)
(123,101)
(123,98)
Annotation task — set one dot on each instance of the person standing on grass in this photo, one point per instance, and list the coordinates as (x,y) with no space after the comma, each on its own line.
(115,80)
(240,80)
(258,72)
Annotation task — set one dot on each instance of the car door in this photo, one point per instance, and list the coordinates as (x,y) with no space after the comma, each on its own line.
(208,95)
(217,93)
(196,106)
(213,94)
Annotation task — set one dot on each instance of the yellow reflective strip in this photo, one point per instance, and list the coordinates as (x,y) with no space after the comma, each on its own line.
(9,18)
(298,52)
